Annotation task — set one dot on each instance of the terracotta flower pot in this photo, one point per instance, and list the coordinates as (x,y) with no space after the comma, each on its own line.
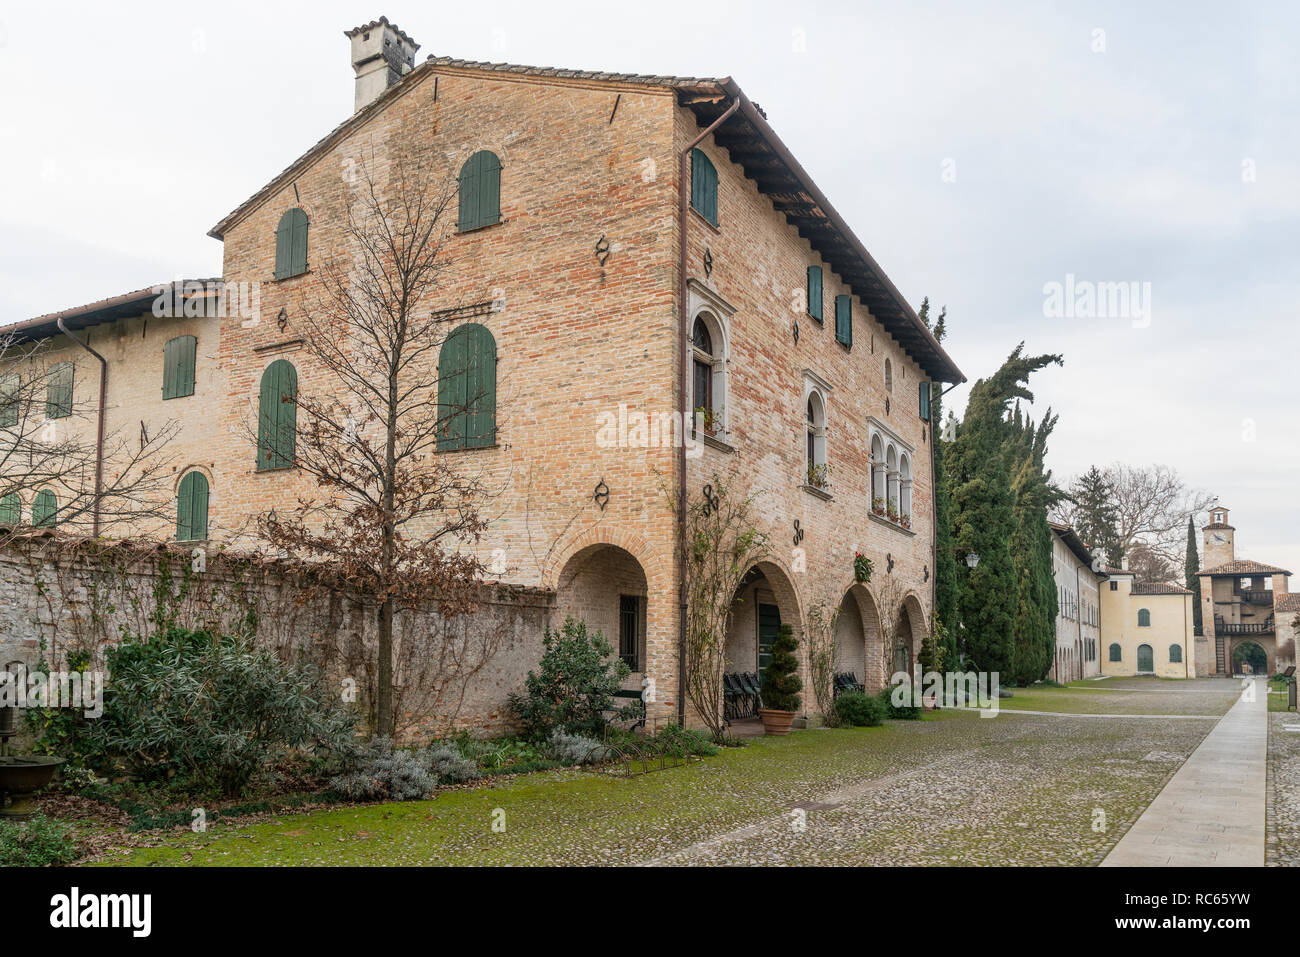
(776,722)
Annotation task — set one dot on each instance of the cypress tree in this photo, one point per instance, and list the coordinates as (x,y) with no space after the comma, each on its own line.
(1031,548)
(984,519)
(1191,566)
(945,570)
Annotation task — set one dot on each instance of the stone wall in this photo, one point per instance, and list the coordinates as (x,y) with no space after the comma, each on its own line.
(59,595)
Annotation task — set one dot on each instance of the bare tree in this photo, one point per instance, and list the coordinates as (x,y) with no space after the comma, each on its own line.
(1149,565)
(1152,504)
(391,514)
(50,454)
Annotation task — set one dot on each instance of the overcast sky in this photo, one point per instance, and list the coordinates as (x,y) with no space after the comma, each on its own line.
(980,156)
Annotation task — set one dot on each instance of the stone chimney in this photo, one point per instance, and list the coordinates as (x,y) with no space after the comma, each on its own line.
(381,55)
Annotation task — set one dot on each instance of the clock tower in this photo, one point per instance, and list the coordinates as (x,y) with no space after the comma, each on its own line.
(1218,539)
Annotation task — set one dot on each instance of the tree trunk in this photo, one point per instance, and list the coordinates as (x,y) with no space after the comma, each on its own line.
(384,699)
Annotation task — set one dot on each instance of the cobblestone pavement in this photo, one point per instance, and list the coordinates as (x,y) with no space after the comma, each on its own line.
(955,789)
(1283,790)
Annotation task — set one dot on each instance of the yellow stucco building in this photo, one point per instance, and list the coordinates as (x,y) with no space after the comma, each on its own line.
(1146,629)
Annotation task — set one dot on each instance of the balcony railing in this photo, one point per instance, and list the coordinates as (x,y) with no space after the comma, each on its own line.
(1262,628)
(1256,596)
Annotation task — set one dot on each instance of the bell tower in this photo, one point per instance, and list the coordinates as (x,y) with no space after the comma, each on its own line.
(1218,539)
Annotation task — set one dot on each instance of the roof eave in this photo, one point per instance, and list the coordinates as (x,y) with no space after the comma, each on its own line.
(953,373)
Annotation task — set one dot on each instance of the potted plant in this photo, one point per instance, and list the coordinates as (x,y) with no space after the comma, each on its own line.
(781,685)
(878,505)
(819,476)
(709,420)
(905,520)
(892,511)
(862,567)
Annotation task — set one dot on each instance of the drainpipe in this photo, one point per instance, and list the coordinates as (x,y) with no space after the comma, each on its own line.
(683,308)
(99,438)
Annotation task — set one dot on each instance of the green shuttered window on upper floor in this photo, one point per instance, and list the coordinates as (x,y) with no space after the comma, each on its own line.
(11,509)
(844,320)
(704,186)
(192,508)
(11,386)
(178,367)
(277,417)
(467,389)
(924,396)
(480,192)
(44,508)
(291,244)
(58,391)
(815,292)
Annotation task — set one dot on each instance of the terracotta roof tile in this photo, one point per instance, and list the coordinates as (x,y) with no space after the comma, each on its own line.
(1244,567)
(1158,588)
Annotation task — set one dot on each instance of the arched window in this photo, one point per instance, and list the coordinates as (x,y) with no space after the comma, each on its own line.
(702,344)
(291,244)
(704,186)
(44,508)
(11,509)
(178,367)
(467,389)
(879,477)
(1115,653)
(58,391)
(891,475)
(277,417)
(1176,654)
(904,486)
(816,432)
(889,376)
(480,191)
(192,508)
(1144,618)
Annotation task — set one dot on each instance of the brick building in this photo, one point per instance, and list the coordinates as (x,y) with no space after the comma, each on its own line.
(578,245)
(1247,611)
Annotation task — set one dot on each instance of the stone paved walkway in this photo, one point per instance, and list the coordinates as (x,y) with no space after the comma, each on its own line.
(1212,811)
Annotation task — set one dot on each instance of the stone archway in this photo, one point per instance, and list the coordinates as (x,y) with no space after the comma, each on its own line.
(1250,657)
(909,636)
(765,600)
(606,587)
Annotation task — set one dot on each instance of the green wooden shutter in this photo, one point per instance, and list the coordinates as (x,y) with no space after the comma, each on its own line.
(291,244)
(178,367)
(192,508)
(58,391)
(480,191)
(277,417)
(11,509)
(453,391)
(481,388)
(43,509)
(10,388)
(925,401)
(844,319)
(704,186)
(815,292)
